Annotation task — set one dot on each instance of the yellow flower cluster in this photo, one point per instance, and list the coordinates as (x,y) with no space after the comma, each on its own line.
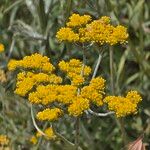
(4,140)
(123,106)
(76,20)
(50,114)
(1,48)
(53,93)
(49,135)
(2,76)
(73,69)
(35,61)
(66,34)
(94,91)
(102,32)
(78,106)
(44,87)
(27,80)
(83,29)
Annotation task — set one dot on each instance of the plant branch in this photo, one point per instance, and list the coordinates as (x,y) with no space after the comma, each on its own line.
(100,114)
(34,123)
(63,138)
(97,66)
(111,63)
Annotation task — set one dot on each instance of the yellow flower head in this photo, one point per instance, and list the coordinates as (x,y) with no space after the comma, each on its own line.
(98,83)
(105,19)
(118,35)
(43,94)
(92,95)
(73,69)
(123,106)
(94,91)
(12,65)
(78,106)
(35,61)
(33,140)
(66,94)
(134,96)
(67,34)
(2,48)
(83,29)
(75,20)
(4,140)
(50,134)
(50,114)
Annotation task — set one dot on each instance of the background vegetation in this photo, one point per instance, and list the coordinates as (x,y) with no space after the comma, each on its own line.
(29,26)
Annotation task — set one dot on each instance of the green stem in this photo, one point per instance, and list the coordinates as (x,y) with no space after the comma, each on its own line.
(119,121)
(111,63)
(68,9)
(97,66)
(77,133)
(77,122)
(42,15)
(123,131)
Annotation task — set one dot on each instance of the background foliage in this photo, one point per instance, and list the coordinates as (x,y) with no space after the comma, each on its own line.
(29,26)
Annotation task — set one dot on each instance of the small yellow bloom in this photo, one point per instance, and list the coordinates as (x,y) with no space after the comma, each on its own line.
(50,114)
(67,34)
(33,140)
(12,65)
(76,20)
(50,134)
(4,140)
(134,96)
(1,47)
(78,106)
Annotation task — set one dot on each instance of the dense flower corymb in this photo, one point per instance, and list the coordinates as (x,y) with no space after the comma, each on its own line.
(84,29)
(35,61)
(44,87)
(123,106)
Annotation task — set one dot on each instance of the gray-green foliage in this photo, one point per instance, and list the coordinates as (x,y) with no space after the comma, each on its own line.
(28,26)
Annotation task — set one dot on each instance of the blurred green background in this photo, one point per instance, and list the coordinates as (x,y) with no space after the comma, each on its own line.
(29,26)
